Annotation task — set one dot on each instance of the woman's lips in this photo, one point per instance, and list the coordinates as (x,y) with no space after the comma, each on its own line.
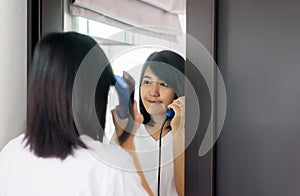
(153,102)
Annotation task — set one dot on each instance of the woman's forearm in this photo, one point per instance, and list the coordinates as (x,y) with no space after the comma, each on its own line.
(179,158)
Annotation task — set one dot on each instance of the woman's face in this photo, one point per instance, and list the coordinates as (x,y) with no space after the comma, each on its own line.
(156,95)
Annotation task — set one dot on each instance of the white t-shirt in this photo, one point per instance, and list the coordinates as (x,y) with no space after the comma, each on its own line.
(85,173)
(147,152)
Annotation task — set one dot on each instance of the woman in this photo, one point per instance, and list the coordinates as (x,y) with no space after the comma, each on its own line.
(51,158)
(162,87)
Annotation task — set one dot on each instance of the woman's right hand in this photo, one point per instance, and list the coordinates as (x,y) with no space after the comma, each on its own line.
(120,124)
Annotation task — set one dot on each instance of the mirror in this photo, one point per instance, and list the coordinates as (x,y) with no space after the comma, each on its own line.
(127,50)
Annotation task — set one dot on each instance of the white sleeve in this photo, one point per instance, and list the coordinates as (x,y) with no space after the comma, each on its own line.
(3,169)
(115,182)
(1,175)
(115,174)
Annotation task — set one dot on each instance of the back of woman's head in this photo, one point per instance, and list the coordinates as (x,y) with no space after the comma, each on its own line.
(51,131)
(169,67)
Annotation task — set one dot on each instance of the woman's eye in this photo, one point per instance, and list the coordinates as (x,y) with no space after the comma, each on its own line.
(164,84)
(146,82)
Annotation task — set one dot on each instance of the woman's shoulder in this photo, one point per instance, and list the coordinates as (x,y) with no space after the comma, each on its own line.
(115,165)
(142,133)
(111,155)
(16,142)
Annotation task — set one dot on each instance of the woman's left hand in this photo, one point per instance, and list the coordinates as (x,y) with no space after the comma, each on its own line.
(177,122)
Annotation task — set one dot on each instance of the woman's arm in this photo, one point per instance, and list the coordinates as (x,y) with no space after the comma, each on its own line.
(177,124)
(179,156)
(128,144)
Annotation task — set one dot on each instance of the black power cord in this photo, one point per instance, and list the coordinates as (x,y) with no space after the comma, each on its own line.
(169,115)
(159,157)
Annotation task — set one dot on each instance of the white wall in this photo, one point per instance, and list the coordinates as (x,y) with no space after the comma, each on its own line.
(13,68)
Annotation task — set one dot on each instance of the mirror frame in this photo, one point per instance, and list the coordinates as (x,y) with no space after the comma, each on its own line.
(46,16)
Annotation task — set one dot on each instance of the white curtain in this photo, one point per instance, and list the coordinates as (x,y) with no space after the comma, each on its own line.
(157,18)
(172,6)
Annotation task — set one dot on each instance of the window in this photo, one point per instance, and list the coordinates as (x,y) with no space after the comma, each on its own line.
(126,51)
(115,40)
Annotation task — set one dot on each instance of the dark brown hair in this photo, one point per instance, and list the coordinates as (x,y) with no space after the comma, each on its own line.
(168,66)
(51,130)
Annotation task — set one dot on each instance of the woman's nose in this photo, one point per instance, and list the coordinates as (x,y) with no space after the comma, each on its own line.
(154,90)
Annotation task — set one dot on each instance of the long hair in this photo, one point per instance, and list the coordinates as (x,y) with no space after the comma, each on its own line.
(51,130)
(168,66)
(101,95)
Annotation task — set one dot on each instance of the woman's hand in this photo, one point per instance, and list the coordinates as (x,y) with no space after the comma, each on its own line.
(128,145)
(177,122)
(120,124)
